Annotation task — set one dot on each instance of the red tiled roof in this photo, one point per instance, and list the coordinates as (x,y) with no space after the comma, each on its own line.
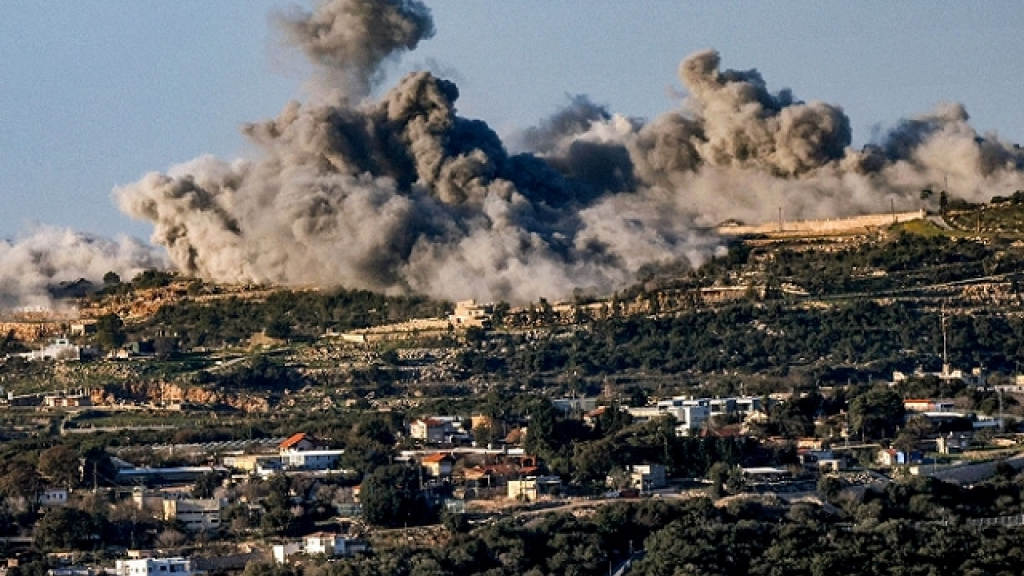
(295,439)
(439,457)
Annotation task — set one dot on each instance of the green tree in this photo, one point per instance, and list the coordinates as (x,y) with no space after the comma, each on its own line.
(61,465)
(719,475)
(22,481)
(97,467)
(391,497)
(277,506)
(829,488)
(877,413)
(206,485)
(110,331)
(68,528)
(916,429)
(280,328)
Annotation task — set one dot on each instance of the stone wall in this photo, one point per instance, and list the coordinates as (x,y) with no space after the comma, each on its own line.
(828,226)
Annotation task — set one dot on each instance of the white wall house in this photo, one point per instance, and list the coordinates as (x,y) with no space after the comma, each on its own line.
(53,497)
(154,567)
(311,459)
(436,428)
(330,545)
(692,413)
(60,349)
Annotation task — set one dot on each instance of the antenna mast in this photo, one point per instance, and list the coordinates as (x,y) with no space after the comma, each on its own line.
(945,359)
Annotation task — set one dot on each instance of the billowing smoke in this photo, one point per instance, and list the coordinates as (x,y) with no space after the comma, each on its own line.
(401,194)
(32,266)
(734,150)
(350,41)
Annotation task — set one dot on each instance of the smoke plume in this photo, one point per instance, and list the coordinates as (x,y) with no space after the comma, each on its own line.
(350,41)
(401,194)
(36,263)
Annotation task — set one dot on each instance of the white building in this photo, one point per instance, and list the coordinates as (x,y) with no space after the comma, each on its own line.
(330,545)
(437,428)
(947,374)
(530,488)
(468,313)
(304,452)
(574,405)
(310,459)
(60,349)
(692,413)
(647,476)
(53,497)
(154,567)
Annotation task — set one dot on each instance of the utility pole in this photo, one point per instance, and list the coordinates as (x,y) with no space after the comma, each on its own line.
(945,358)
(999,392)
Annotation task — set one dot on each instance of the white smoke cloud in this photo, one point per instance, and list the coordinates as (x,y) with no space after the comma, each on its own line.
(46,256)
(401,194)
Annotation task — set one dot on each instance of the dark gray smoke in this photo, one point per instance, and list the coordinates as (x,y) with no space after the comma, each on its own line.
(736,150)
(402,194)
(350,41)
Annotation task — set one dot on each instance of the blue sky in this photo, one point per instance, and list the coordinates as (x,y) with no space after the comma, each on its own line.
(95,93)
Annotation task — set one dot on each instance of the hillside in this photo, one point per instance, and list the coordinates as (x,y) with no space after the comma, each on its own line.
(855,303)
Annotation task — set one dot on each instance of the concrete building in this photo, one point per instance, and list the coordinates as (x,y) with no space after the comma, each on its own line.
(67,400)
(60,349)
(84,328)
(310,459)
(438,465)
(437,429)
(647,476)
(301,452)
(893,457)
(53,497)
(330,545)
(926,405)
(575,405)
(253,463)
(138,476)
(975,378)
(299,442)
(196,515)
(470,314)
(691,414)
(154,567)
(530,488)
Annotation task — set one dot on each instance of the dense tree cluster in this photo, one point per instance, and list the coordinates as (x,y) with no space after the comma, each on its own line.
(754,337)
(284,314)
(910,528)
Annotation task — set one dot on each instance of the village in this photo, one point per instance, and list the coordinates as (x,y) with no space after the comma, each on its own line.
(210,511)
(167,425)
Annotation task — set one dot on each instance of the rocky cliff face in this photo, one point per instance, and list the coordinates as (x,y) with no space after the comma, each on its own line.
(159,392)
(33,331)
